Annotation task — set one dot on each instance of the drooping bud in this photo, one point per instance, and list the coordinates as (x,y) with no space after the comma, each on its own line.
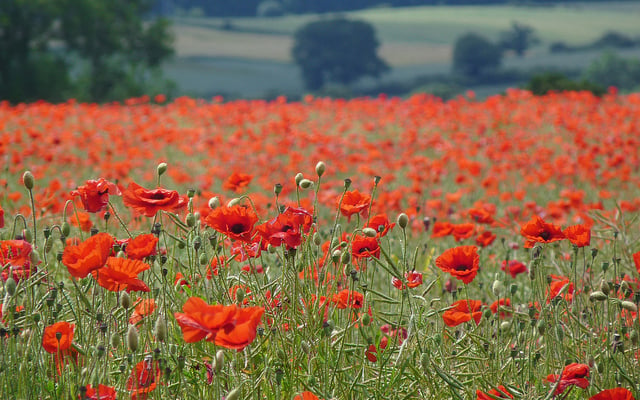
(28,180)
(597,295)
(629,306)
(369,232)
(219,360)
(346,257)
(305,183)
(214,202)
(233,395)
(317,240)
(233,202)
(497,288)
(65,228)
(336,255)
(320,168)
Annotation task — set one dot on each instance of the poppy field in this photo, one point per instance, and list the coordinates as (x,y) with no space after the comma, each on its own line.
(322,249)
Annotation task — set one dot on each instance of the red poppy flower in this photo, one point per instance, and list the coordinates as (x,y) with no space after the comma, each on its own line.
(556,286)
(578,235)
(227,326)
(15,259)
(538,231)
(347,298)
(236,222)
(1,217)
(463,311)
(463,231)
(102,392)
(57,338)
(149,201)
(286,228)
(143,308)
(502,303)
(82,220)
(306,396)
(500,392)
(143,379)
(414,279)
(513,267)
(481,215)
(485,238)
(381,224)
(142,246)
(237,182)
(461,262)
(371,353)
(613,394)
(88,256)
(355,202)
(365,247)
(95,194)
(121,274)
(636,261)
(572,374)
(441,229)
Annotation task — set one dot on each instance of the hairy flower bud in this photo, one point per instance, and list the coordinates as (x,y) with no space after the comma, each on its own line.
(320,168)
(305,183)
(132,338)
(160,329)
(28,180)
(403,220)
(299,177)
(369,232)
(597,295)
(125,300)
(162,168)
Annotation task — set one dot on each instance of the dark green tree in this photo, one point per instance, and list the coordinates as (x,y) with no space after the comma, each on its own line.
(337,50)
(474,55)
(519,38)
(111,50)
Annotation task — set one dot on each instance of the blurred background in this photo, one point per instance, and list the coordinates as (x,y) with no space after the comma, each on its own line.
(106,50)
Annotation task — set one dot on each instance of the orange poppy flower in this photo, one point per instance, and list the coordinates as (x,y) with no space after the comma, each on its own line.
(236,222)
(636,261)
(500,392)
(578,235)
(57,338)
(15,259)
(88,256)
(441,229)
(237,182)
(102,392)
(347,298)
(556,285)
(365,247)
(613,394)
(82,221)
(227,326)
(306,396)
(381,224)
(513,267)
(286,228)
(143,379)
(142,246)
(463,231)
(95,194)
(539,231)
(461,262)
(414,279)
(504,303)
(144,307)
(149,201)
(355,202)
(485,238)
(121,274)
(572,374)
(463,311)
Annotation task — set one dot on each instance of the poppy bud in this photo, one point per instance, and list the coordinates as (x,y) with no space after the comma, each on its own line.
(132,338)
(306,184)
(48,246)
(162,168)
(497,288)
(190,220)
(28,180)
(219,360)
(541,326)
(604,287)
(327,327)
(239,295)
(369,232)
(160,329)
(233,202)
(26,234)
(633,336)
(336,255)
(505,325)
(214,202)
(10,286)
(317,240)
(320,168)
(305,346)
(424,361)
(347,183)
(115,340)
(233,395)
(125,300)
(597,295)
(403,220)
(65,228)
(629,306)
(271,249)
(366,319)
(299,177)
(513,288)
(346,257)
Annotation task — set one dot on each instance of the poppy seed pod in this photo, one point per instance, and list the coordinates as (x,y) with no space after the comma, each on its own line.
(403,220)
(132,338)
(162,168)
(190,220)
(28,180)
(320,168)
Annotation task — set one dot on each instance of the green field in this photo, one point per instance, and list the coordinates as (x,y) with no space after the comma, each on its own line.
(253,57)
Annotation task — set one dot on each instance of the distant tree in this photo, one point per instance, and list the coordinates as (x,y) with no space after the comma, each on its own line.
(111,50)
(474,55)
(612,70)
(337,50)
(558,82)
(519,38)
(270,8)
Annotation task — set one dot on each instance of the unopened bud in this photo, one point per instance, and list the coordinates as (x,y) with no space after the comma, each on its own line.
(233,395)
(27,235)
(233,202)
(604,287)
(219,360)
(597,295)
(214,202)
(369,232)
(320,168)
(239,295)
(132,338)
(162,168)
(10,286)
(125,300)
(497,288)
(115,340)
(299,177)
(160,329)
(190,220)
(403,220)
(505,325)
(366,319)
(65,228)
(629,306)
(317,240)
(336,255)
(28,180)
(346,257)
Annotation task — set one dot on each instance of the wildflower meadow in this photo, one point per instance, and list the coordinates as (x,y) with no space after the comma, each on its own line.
(374,248)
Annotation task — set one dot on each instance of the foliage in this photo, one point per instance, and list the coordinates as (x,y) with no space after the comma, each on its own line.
(558,82)
(519,38)
(91,49)
(337,50)
(473,55)
(611,69)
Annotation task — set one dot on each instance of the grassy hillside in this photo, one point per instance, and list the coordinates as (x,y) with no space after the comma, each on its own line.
(253,57)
